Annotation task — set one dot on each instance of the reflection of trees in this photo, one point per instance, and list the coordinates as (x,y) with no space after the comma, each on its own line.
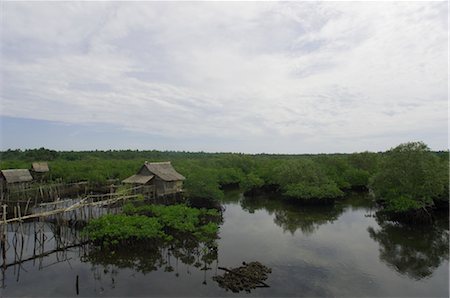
(291,216)
(151,256)
(306,219)
(147,257)
(413,250)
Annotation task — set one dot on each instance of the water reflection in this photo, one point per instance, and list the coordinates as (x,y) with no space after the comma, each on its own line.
(292,217)
(145,257)
(148,257)
(412,250)
(345,258)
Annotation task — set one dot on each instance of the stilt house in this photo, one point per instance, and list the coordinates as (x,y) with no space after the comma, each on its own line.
(157,178)
(14,179)
(39,170)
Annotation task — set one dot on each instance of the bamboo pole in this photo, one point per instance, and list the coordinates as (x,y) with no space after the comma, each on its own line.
(78,205)
(44,254)
(4,236)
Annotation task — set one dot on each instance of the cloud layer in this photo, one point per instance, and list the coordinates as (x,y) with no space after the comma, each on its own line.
(274,77)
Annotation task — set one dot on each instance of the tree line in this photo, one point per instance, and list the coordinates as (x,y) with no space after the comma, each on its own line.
(406,179)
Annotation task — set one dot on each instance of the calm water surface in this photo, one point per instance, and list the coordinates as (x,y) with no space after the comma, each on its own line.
(344,250)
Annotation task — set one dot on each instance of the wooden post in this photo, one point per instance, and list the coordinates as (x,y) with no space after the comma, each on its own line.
(76,286)
(4,236)
(35,239)
(26,207)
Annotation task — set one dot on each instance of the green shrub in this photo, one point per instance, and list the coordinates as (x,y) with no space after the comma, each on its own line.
(410,177)
(118,229)
(251,181)
(153,222)
(203,183)
(308,191)
(305,179)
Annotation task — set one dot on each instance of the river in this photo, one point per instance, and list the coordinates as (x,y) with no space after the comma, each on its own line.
(343,250)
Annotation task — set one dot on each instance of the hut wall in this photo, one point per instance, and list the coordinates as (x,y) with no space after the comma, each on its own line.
(179,185)
(17,187)
(166,187)
(162,187)
(2,185)
(39,176)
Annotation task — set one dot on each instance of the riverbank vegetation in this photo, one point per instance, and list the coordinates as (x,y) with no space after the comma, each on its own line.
(144,237)
(405,179)
(411,180)
(159,223)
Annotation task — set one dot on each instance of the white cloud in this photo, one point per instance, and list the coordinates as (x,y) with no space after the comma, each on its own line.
(308,74)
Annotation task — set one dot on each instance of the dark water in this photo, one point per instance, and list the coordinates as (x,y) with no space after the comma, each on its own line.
(344,250)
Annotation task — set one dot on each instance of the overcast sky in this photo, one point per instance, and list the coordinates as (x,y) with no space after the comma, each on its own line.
(245,77)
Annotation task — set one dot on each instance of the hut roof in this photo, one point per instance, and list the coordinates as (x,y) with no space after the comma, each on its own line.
(164,170)
(17,175)
(138,179)
(40,167)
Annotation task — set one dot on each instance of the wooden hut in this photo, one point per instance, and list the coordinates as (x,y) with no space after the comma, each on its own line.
(14,179)
(39,170)
(157,177)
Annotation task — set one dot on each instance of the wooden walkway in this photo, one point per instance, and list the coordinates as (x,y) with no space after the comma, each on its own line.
(14,234)
(85,202)
(58,206)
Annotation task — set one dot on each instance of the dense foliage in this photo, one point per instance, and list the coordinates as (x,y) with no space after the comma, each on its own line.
(305,179)
(405,178)
(180,218)
(153,222)
(123,229)
(410,178)
(206,173)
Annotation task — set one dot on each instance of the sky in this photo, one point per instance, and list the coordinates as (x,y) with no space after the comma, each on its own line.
(253,77)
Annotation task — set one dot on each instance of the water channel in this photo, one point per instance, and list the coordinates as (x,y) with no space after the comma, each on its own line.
(340,250)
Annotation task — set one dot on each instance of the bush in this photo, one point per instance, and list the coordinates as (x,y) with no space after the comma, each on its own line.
(305,179)
(357,178)
(410,177)
(172,221)
(250,182)
(118,229)
(308,191)
(202,183)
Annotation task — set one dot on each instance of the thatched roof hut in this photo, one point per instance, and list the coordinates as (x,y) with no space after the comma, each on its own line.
(160,175)
(40,167)
(138,179)
(16,176)
(163,170)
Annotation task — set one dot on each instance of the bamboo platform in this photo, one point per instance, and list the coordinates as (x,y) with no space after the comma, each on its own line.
(14,235)
(89,201)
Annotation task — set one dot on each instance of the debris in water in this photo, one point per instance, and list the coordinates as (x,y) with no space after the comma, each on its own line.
(245,278)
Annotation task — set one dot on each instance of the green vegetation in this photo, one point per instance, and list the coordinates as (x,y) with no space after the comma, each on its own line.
(153,222)
(206,173)
(123,229)
(410,179)
(305,179)
(180,219)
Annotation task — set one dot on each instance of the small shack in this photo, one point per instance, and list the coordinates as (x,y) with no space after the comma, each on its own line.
(157,178)
(14,179)
(39,170)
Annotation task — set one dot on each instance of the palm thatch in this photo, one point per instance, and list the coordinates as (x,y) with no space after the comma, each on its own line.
(138,179)
(163,170)
(17,175)
(40,167)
